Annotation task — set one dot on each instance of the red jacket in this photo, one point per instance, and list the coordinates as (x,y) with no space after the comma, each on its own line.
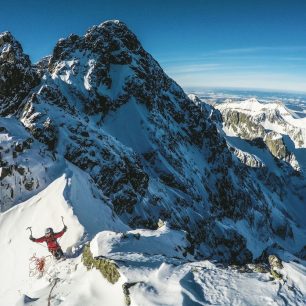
(51,240)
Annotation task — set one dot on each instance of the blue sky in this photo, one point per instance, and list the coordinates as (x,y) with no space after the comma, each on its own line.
(216,43)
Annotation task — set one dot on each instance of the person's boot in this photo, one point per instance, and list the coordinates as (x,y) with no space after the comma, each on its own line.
(58,254)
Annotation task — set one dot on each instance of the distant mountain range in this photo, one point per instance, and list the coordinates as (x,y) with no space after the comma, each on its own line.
(294,101)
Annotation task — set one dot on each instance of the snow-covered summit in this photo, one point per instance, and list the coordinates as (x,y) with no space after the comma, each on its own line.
(254,107)
(272,109)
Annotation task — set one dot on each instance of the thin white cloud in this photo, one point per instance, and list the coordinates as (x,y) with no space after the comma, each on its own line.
(277,81)
(193,68)
(282,53)
(262,49)
(221,67)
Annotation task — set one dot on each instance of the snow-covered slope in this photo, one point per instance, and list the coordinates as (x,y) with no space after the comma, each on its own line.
(65,196)
(109,141)
(153,270)
(26,166)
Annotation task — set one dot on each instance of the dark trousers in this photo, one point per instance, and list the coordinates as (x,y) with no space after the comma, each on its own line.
(58,254)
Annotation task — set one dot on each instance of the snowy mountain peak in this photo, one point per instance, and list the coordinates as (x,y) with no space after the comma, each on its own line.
(121,31)
(101,65)
(17,74)
(112,22)
(252,101)
(103,40)
(11,50)
(7,38)
(255,107)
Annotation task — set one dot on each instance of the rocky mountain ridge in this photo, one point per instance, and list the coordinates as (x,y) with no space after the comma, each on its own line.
(103,103)
(277,127)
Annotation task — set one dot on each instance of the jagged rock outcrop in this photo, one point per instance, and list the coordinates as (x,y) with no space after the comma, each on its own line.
(242,124)
(247,158)
(17,74)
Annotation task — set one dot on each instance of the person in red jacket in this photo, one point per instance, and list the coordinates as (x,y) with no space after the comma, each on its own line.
(51,239)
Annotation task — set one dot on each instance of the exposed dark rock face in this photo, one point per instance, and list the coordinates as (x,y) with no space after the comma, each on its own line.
(17,74)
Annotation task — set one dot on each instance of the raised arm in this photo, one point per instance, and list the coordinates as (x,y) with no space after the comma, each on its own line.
(41,239)
(61,233)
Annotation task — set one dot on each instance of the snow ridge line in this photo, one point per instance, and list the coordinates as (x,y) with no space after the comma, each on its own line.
(49,297)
